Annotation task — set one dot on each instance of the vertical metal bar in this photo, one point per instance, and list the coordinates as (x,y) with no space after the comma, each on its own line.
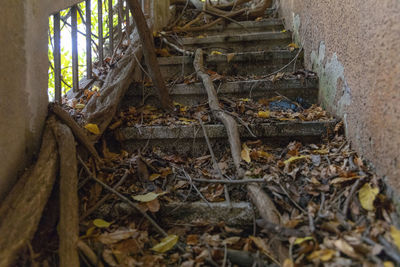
(120,18)
(111,26)
(100,33)
(57,58)
(88,40)
(128,22)
(75,67)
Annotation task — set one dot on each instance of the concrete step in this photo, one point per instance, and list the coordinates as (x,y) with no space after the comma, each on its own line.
(193,94)
(244,42)
(268,25)
(248,63)
(190,138)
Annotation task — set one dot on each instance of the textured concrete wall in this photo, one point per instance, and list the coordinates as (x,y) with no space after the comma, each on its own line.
(354,47)
(23,82)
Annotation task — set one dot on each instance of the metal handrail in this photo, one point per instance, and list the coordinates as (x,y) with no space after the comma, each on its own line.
(74,10)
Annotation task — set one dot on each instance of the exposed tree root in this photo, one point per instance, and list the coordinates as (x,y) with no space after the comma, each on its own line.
(68,228)
(22,209)
(260,199)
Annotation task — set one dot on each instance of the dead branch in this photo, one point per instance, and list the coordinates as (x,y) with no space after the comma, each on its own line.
(264,204)
(228,121)
(100,110)
(22,209)
(68,228)
(150,54)
(122,197)
(79,133)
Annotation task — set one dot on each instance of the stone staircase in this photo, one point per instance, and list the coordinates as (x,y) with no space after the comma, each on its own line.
(255,50)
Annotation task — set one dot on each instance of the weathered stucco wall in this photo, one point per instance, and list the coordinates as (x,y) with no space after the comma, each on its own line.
(23,78)
(23,82)
(354,47)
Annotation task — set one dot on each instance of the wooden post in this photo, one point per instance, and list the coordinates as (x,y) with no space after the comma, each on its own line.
(149,54)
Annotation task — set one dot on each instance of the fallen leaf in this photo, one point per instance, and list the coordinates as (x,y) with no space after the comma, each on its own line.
(288,263)
(345,248)
(388,264)
(147,197)
(262,245)
(231,240)
(213,53)
(166,244)
(293,46)
(322,255)
(117,236)
(192,240)
(246,153)
(263,114)
(395,233)
(93,128)
(292,159)
(367,196)
(100,223)
(80,106)
(154,176)
(154,205)
(300,240)
(230,56)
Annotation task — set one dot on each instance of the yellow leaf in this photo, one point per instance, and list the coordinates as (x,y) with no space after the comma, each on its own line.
(230,56)
(166,244)
(395,233)
(186,121)
(200,36)
(100,223)
(263,114)
(293,46)
(292,159)
(322,255)
(300,240)
(244,99)
(80,106)
(288,263)
(213,53)
(246,153)
(147,197)
(93,128)
(284,31)
(154,176)
(388,264)
(321,151)
(367,196)
(264,155)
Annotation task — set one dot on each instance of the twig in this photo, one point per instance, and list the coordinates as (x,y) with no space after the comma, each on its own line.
(245,124)
(105,198)
(287,65)
(291,199)
(350,196)
(180,50)
(129,202)
(195,188)
(212,181)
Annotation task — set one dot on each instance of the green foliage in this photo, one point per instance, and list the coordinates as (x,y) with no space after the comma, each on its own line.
(66,47)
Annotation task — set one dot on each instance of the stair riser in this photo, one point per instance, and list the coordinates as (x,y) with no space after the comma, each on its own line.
(244,46)
(194,94)
(244,64)
(273,25)
(190,139)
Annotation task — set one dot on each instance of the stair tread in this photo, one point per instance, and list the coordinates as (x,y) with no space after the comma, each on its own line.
(271,129)
(231,37)
(238,56)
